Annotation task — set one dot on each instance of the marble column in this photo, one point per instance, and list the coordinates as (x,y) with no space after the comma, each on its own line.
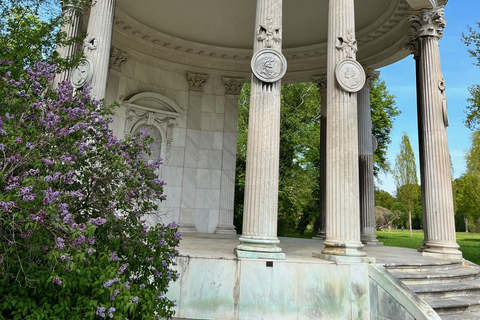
(438,211)
(344,77)
(189,195)
(98,44)
(72,16)
(365,161)
(259,236)
(322,88)
(233,87)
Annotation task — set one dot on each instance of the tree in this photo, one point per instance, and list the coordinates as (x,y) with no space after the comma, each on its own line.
(384,110)
(472,40)
(74,200)
(299,150)
(405,175)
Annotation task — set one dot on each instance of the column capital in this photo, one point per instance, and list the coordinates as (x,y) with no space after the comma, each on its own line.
(321,82)
(233,86)
(196,81)
(78,5)
(428,22)
(412,43)
(370,74)
(118,58)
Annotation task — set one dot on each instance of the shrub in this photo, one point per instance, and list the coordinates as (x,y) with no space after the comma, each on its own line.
(73,240)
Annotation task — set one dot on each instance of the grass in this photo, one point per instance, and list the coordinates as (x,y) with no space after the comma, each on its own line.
(469,242)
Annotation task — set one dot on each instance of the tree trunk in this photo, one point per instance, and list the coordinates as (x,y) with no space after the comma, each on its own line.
(466,223)
(410,222)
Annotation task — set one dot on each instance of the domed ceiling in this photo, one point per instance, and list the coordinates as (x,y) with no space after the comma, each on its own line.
(216,36)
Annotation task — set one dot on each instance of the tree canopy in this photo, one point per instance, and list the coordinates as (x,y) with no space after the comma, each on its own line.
(472,40)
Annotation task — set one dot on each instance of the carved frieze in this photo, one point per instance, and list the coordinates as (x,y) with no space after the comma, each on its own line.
(347,44)
(196,81)
(118,58)
(269,65)
(428,22)
(268,33)
(232,85)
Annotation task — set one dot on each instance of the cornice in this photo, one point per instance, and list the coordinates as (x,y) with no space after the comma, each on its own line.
(302,61)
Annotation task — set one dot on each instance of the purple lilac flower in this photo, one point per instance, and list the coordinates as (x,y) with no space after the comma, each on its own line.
(113,256)
(115,294)
(77,194)
(160,296)
(142,286)
(127,284)
(60,243)
(111,310)
(109,283)
(91,251)
(6,206)
(98,221)
(47,162)
(101,312)
(148,259)
(30,146)
(57,281)
(50,195)
(122,268)
(18,140)
(134,300)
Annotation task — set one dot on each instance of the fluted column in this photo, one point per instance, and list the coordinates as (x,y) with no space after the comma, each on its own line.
(440,237)
(344,77)
(322,88)
(72,28)
(365,157)
(98,44)
(259,236)
(233,88)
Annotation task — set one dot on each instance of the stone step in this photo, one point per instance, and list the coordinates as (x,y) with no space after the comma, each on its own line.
(440,276)
(417,267)
(461,316)
(453,305)
(445,290)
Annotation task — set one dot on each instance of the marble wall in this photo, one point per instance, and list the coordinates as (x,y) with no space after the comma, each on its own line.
(200,169)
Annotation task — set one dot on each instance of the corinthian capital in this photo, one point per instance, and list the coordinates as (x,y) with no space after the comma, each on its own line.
(370,75)
(232,85)
(428,22)
(321,82)
(196,81)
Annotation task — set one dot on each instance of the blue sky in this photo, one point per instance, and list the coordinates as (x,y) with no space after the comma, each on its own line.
(459,72)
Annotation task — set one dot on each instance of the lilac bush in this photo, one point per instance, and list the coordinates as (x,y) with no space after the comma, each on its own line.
(74,243)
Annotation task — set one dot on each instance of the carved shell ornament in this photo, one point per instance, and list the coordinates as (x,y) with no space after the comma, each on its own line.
(350,75)
(269,65)
(269,33)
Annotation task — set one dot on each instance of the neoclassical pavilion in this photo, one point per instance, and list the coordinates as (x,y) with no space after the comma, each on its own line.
(178,68)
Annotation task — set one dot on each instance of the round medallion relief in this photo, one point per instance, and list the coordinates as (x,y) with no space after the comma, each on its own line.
(155,146)
(82,73)
(350,75)
(269,65)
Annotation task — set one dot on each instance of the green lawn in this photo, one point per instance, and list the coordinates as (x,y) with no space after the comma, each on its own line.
(469,242)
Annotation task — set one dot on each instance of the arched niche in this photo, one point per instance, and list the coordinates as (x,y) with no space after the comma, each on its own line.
(153,112)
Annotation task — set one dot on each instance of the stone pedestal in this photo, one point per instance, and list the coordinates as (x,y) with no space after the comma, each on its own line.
(259,237)
(71,26)
(322,88)
(98,44)
(365,157)
(437,197)
(343,216)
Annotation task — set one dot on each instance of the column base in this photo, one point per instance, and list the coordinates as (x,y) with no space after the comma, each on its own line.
(321,235)
(371,240)
(352,249)
(441,250)
(187,228)
(257,248)
(343,259)
(226,229)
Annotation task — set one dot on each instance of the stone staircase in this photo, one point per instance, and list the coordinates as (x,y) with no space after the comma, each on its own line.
(451,288)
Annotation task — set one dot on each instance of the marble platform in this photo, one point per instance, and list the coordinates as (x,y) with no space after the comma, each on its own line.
(215,284)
